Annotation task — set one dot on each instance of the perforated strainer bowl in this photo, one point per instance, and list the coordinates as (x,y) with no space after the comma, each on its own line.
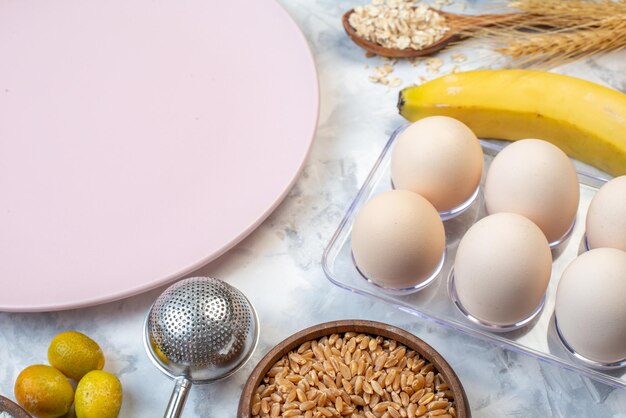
(198,331)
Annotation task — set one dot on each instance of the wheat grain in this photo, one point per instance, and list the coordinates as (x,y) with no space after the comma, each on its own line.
(334,376)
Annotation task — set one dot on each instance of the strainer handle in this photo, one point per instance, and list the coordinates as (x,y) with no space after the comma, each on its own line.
(179,396)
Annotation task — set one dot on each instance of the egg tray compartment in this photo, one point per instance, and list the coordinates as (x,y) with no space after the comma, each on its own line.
(538,339)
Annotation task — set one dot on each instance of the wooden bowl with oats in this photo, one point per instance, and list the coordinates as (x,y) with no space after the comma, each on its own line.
(353,368)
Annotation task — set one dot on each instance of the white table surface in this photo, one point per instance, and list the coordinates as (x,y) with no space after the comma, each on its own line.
(278,265)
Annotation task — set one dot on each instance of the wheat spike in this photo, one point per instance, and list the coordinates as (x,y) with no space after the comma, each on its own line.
(555,32)
(576,9)
(551,49)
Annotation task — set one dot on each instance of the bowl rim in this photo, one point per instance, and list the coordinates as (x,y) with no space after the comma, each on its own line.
(7,405)
(359,326)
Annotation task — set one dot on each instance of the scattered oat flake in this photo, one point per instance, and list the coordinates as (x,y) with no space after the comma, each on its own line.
(459,57)
(380,72)
(379,77)
(422,79)
(433,65)
(455,69)
(395,82)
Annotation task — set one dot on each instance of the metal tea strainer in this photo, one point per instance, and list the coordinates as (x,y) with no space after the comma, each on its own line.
(199,330)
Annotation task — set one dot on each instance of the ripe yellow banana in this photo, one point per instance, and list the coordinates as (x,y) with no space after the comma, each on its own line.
(586,120)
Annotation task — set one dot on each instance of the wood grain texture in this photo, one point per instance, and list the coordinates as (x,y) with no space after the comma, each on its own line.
(365,327)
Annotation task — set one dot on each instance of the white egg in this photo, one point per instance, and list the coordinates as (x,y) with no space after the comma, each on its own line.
(606,218)
(590,309)
(502,269)
(398,239)
(440,158)
(537,180)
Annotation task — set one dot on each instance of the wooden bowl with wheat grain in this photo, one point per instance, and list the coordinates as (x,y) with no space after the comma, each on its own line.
(453,387)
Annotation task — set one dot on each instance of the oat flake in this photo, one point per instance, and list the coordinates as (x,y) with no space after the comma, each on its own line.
(398,24)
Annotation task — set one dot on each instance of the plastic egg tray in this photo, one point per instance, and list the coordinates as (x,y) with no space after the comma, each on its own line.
(538,338)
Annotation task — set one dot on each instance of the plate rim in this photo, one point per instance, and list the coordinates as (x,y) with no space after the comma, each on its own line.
(246,231)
